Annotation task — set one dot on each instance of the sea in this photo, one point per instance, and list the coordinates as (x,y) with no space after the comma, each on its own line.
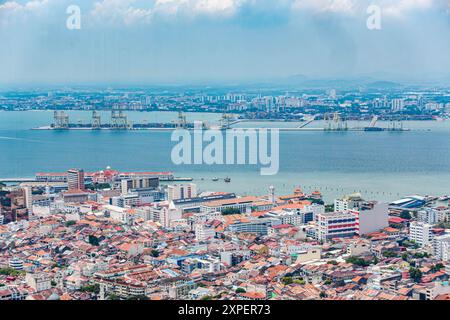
(383,166)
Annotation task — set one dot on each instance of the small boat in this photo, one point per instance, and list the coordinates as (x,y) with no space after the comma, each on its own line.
(215,179)
(444,198)
(227,180)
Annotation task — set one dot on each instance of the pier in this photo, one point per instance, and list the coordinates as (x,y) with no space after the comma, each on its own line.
(119,121)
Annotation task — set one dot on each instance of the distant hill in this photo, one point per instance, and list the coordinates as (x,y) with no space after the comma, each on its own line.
(383,84)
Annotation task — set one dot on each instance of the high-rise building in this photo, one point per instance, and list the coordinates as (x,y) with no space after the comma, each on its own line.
(75,179)
(138,183)
(181,191)
(372,216)
(28,194)
(441,247)
(398,105)
(337,225)
(348,202)
(421,233)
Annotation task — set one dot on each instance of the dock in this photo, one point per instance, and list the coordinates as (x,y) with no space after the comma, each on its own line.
(119,121)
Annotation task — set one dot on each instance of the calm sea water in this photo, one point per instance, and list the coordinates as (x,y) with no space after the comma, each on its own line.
(382,165)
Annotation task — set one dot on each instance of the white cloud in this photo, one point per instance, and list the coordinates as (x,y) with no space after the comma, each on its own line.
(393,8)
(223,7)
(14,6)
(129,12)
(317,6)
(11,10)
(119,11)
(401,7)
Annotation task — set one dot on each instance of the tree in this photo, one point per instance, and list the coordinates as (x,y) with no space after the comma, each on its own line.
(358,261)
(415,274)
(405,256)
(11,272)
(405,215)
(240,290)
(389,254)
(93,288)
(287,280)
(93,240)
(299,281)
(139,297)
(229,211)
(437,267)
(155,253)
(70,223)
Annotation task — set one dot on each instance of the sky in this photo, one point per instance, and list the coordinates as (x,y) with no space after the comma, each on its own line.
(227,41)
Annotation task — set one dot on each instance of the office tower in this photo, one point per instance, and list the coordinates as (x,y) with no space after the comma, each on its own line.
(181,191)
(75,179)
(421,233)
(28,194)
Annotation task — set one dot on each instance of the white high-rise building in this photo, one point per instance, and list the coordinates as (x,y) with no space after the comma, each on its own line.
(421,233)
(348,202)
(28,193)
(204,231)
(169,214)
(398,104)
(441,247)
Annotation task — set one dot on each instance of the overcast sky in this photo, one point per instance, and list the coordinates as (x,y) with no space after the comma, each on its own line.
(184,41)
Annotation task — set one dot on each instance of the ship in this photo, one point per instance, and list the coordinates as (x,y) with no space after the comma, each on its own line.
(215,179)
(227,180)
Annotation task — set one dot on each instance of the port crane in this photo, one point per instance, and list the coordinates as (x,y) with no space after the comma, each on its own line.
(119,120)
(335,122)
(61,120)
(374,121)
(96,120)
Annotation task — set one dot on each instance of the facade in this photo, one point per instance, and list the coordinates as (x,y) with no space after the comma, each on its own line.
(75,179)
(372,217)
(257,226)
(16,264)
(181,191)
(441,247)
(348,202)
(204,231)
(297,216)
(428,215)
(138,183)
(242,204)
(421,233)
(39,282)
(337,225)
